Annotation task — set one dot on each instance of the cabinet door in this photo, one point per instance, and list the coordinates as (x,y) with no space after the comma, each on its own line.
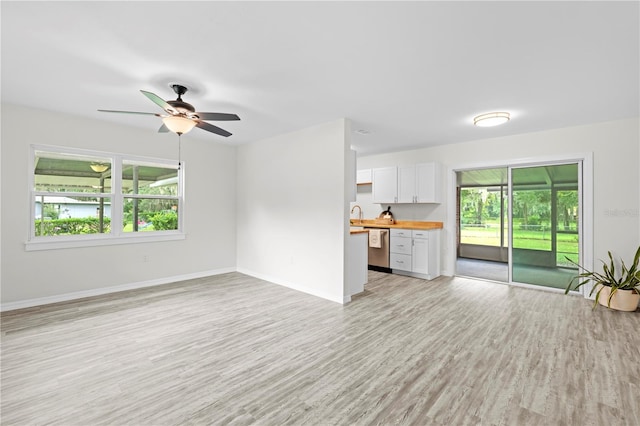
(406,184)
(420,256)
(428,183)
(385,185)
(363,176)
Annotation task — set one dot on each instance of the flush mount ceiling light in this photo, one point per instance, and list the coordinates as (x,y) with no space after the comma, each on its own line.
(178,124)
(99,168)
(491,119)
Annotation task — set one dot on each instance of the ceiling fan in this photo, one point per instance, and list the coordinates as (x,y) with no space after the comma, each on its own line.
(181,116)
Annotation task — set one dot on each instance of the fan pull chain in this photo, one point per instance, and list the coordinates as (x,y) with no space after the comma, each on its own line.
(179,150)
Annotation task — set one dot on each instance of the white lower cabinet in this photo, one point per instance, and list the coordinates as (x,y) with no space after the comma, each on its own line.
(415,252)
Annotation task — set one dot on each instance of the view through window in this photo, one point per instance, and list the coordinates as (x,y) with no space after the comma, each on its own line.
(81,193)
(545,222)
(545,234)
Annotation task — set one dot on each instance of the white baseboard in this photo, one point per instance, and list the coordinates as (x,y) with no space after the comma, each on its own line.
(294,286)
(20,304)
(446,273)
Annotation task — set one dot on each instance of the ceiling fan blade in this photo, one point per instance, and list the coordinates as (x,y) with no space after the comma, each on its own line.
(163,129)
(159,101)
(211,128)
(129,112)
(217,116)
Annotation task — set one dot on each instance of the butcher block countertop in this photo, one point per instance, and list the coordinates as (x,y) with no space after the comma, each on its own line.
(404,224)
(359,231)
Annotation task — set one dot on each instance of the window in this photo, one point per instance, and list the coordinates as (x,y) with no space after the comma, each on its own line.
(150,197)
(84,198)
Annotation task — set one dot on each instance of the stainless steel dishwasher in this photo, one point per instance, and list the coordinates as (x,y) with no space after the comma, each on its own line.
(379,257)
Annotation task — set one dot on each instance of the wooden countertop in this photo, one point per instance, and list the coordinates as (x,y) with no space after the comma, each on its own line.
(358,231)
(404,224)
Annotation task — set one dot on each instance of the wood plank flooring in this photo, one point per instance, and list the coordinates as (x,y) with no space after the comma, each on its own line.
(234,350)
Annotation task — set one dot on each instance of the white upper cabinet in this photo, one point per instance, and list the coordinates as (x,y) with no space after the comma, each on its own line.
(406,184)
(418,183)
(385,185)
(428,183)
(363,177)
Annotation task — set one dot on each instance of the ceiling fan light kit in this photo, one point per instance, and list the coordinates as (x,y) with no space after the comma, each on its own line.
(178,124)
(491,119)
(181,116)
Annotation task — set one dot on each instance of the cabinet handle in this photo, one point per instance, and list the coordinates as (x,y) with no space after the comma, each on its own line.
(399,261)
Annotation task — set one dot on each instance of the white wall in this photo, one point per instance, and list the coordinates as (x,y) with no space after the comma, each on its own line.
(209,211)
(287,197)
(615,147)
(293,209)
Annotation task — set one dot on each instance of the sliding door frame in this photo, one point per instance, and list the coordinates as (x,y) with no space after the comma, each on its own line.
(585,201)
(580,230)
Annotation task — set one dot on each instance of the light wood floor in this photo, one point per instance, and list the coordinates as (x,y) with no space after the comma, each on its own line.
(235,350)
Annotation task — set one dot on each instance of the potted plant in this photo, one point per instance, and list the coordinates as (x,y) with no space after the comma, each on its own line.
(620,291)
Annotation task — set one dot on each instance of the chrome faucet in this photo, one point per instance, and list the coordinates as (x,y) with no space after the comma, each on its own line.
(359,212)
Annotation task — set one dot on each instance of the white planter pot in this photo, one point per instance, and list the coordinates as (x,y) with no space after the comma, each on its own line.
(622,300)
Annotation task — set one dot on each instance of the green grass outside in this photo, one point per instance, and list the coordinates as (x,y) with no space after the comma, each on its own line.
(567,244)
(129,228)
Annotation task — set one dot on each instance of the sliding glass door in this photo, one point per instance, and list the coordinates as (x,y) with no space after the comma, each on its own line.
(520,224)
(483,232)
(545,223)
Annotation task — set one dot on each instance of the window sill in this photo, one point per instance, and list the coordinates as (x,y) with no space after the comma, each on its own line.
(56,243)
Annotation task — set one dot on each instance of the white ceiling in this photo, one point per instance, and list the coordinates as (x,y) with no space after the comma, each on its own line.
(409,73)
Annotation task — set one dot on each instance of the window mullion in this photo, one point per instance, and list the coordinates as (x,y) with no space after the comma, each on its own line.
(117,197)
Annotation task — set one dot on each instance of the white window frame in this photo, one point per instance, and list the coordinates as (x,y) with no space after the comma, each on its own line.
(116,234)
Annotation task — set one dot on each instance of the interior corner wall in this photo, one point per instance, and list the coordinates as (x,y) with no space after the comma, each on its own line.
(209,210)
(292,209)
(616,207)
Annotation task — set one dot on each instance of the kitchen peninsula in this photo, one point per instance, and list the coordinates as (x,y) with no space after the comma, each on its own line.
(357,275)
